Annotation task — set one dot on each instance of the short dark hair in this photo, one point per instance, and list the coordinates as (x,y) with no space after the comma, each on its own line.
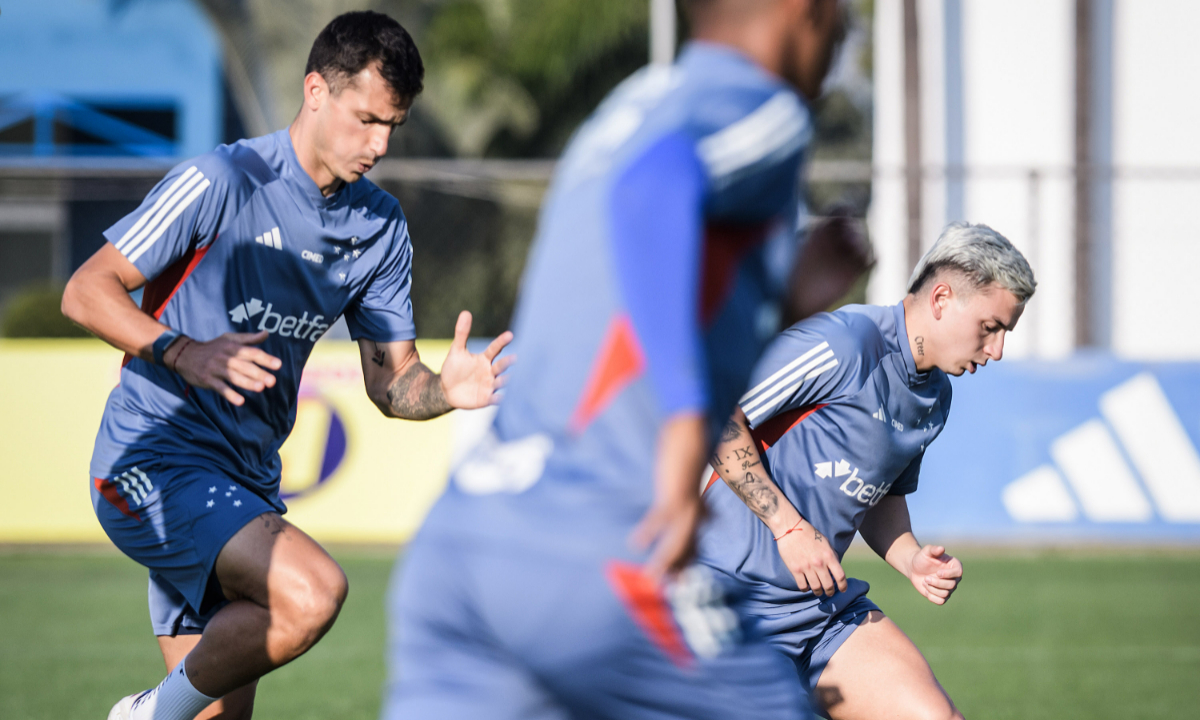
(354,40)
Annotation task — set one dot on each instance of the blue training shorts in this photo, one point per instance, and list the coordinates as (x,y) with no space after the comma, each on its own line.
(506,633)
(177,532)
(810,634)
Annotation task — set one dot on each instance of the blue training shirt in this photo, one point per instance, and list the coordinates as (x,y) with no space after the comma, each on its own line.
(844,418)
(241,240)
(648,293)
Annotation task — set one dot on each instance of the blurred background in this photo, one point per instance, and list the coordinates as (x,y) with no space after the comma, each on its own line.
(1069,472)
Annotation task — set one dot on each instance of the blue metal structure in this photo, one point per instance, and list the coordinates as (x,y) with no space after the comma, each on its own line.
(46,110)
(80,74)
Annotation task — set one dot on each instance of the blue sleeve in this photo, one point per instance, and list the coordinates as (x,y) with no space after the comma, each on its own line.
(907,482)
(810,363)
(656,219)
(383,312)
(185,210)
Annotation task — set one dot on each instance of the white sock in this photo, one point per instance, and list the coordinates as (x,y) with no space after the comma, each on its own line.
(173,699)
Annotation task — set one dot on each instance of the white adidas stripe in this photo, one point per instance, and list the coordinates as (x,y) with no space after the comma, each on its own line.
(778,125)
(775,389)
(154,208)
(147,485)
(278,241)
(172,199)
(1157,443)
(162,227)
(136,485)
(815,373)
(786,369)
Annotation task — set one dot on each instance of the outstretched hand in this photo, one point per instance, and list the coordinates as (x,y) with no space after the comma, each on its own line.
(224,363)
(935,574)
(471,381)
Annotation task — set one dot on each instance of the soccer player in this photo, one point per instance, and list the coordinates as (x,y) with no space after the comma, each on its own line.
(828,441)
(247,255)
(533,589)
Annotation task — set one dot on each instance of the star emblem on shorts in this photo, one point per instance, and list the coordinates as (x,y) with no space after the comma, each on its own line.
(228,494)
(356,253)
(210,503)
(213,489)
(232,488)
(237,503)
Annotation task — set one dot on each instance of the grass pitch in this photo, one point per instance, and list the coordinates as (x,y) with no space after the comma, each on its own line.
(1071,634)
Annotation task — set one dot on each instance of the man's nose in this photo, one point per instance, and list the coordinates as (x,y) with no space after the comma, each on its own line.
(379,142)
(995,349)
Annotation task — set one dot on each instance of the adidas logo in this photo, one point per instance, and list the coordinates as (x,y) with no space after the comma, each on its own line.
(881,416)
(270,238)
(135,485)
(301,328)
(1097,465)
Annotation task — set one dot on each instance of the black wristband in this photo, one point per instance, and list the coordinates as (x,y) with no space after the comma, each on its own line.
(163,342)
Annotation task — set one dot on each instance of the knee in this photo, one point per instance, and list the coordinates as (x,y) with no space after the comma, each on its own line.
(315,599)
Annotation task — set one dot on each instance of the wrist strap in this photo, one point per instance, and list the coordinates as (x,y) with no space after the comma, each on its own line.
(793,529)
(163,342)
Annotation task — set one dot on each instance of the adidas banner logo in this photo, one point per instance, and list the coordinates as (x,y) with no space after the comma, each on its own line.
(1131,463)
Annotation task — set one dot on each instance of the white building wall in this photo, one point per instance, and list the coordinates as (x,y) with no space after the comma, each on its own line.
(1017,105)
(1156,195)
(1018,95)
(887,213)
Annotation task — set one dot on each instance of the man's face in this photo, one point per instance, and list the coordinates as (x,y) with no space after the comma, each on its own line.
(818,28)
(355,124)
(972,328)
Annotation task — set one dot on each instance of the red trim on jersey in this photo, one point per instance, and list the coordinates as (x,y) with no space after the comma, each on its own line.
(159,291)
(110,493)
(725,244)
(649,609)
(768,433)
(619,362)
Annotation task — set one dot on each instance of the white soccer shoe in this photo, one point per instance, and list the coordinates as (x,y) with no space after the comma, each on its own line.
(123,710)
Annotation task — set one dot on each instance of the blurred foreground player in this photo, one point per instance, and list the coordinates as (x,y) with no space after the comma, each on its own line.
(827,442)
(248,254)
(530,593)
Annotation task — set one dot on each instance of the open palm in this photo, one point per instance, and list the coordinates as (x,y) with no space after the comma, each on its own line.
(470,381)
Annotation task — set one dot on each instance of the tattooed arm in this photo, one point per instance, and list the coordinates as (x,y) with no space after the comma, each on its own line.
(401,386)
(808,555)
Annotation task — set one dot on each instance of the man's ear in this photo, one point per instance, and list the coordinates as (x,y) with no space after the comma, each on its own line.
(939,297)
(316,90)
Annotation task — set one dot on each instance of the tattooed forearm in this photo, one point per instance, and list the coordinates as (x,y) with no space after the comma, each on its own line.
(758,495)
(417,395)
(379,356)
(731,430)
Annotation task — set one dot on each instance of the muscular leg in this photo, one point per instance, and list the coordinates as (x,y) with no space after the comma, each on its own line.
(236,705)
(285,593)
(879,673)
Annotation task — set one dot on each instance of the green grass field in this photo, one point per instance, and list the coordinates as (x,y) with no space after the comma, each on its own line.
(1071,634)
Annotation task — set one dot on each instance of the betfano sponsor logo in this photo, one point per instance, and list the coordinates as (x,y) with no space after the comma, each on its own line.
(275,323)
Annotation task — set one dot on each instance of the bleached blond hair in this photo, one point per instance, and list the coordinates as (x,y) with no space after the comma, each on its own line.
(979,253)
